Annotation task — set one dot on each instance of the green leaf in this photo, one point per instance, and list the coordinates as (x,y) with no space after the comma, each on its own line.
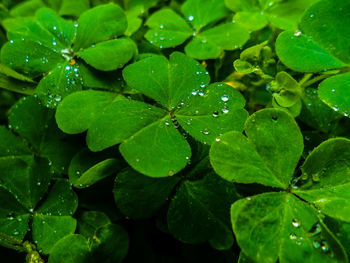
(37,125)
(27,8)
(139,196)
(286,90)
(211,43)
(73,8)
(60,28)
(13,217)
(90,221)
(167,29)
(26,177)
(52,220)
(168,82)
(331,38)
(326,178)
(63,80)
(257,14)
(278,226)
(13,74)
(335,93)
(109,55)
(157,150)
(70,249)
(28,56)
(253,21)
(87,168)
(86,106)
(301,54)
(202,12)
(268,155)
(98,24)
(48,230)
(120,121)
(106,239)
(315,113)
(61,201)
(318,46)
(198,211)
(223,112)
(132,123)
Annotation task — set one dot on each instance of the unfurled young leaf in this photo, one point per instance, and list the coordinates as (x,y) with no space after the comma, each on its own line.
(50,46)
(169,29)
(288,225)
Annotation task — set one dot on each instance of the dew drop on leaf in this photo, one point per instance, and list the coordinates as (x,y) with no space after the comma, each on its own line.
(296,223)
(292,236)
(224,98)
(324,246)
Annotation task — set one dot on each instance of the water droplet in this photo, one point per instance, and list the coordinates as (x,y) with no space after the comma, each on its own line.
(217,139)
(137,160)
(194,92)
(296,223)
(27,59)
(31,210)
(190,18)
(224,98)
(54,43)
(297,33)
(11,41)
(215,114)
(312,15)
(324,246)
(38,183)
(76,24)
(171,173)
(292,236)
(201,93)
(161,26)
(58,98)
(54,28)
(225,110)
(16,233)
(205,131)
(167,123)
(67,67)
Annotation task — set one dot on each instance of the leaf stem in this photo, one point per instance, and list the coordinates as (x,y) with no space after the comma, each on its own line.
(314,80)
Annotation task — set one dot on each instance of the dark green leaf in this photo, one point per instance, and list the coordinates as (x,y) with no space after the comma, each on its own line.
(139,196)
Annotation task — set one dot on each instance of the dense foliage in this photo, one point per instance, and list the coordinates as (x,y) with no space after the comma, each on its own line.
(175,131)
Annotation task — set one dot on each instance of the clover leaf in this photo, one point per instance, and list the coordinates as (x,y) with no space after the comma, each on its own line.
(28,163)
(256,14)
(317,47)
(168,29)
(285,225)
(100,245)
(51,46)
(193,214)
(180,87)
